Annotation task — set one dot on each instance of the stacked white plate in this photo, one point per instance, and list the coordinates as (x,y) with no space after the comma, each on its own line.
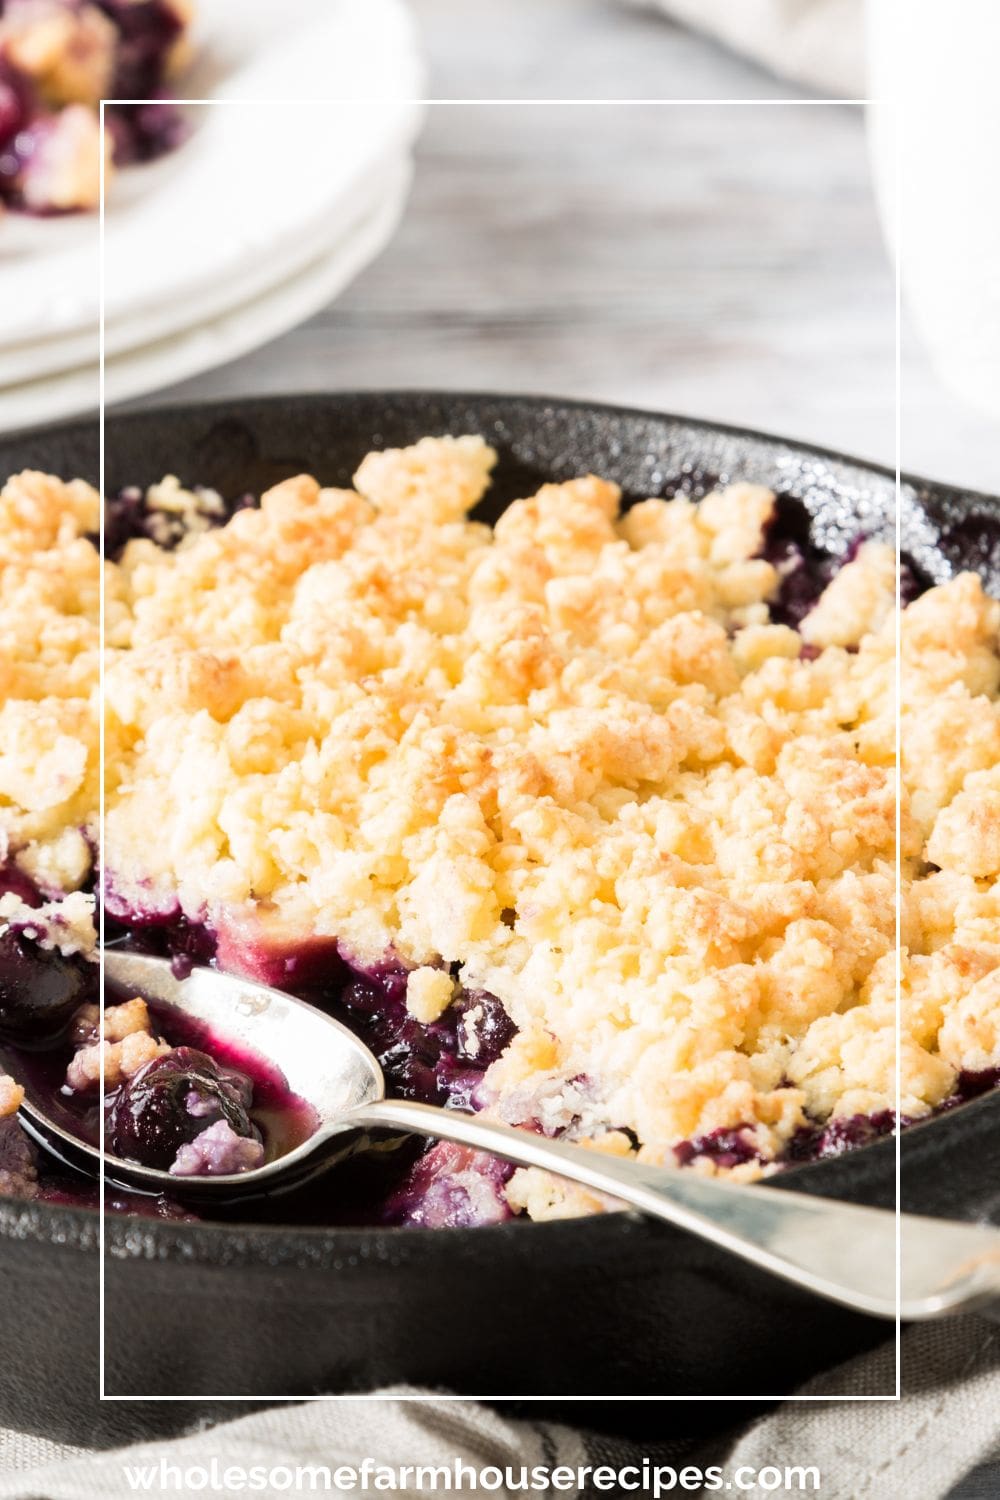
(287,187)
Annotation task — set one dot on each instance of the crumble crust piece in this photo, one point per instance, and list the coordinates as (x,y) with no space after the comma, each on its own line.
(127,1044)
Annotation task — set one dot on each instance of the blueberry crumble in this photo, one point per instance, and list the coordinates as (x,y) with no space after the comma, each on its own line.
(586,820)
(58,59)
(564,816)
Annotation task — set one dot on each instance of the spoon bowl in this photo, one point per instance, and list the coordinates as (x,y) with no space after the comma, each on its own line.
(320,1061)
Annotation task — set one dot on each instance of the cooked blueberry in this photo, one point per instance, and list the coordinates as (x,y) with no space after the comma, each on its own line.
(363,998)
(971,1083)
(239,1084)
(144,132)
(168,1103)
(40,991)
(381,991)
(485,1029)
(410,1076)
(172,936)
(912,582)
(804,570)
(459,1085)
(129,515)
(818,1142)
(148,29)
(974,542)
(15,103)
(14,882)
(123,519)
(726,1147)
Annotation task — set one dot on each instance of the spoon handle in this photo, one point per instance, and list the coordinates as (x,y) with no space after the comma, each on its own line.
(839,1250)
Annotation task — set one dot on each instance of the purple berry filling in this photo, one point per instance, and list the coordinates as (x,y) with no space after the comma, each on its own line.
(128,516)
(176,1101)
(162,931)
(164,1114)
(818,1142)
(442,1063)
(726,1148)
(148,29)
(14,881)
(40,991)
(451,1187)
(438,1064)
(804,570)
(971,1084)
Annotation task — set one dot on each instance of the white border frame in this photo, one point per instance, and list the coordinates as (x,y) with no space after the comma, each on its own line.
(897,258)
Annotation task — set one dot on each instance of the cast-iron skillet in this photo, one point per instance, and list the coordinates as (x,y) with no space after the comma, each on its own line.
(605,1306)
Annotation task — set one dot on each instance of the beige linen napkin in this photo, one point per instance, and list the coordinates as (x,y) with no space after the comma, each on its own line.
(817,42)
(947,1424)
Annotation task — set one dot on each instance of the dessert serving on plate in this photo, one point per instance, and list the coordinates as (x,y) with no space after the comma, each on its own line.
(585,820)
(58,60)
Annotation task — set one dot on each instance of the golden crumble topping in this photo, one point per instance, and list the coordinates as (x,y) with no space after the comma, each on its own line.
(11,1096)
(49,677)
(570,757)
(950,739)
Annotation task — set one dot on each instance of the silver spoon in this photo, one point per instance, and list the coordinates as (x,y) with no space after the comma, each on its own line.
(837,1250)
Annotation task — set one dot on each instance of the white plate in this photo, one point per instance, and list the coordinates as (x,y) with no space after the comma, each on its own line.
(256,176)
(223,338)
(23,362)
(48,357)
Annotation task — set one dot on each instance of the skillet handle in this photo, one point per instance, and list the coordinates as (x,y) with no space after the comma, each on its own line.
(838,1250)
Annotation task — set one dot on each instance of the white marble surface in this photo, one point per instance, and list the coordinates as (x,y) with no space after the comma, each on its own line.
(715,259)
